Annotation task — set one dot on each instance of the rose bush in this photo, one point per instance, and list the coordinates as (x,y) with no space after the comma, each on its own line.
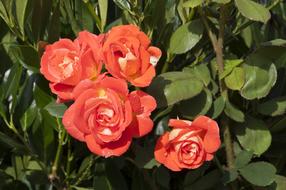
(90,91)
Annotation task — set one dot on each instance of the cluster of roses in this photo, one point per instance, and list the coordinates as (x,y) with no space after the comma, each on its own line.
(104,114)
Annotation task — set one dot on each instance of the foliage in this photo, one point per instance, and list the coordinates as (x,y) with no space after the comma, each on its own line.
(223,58)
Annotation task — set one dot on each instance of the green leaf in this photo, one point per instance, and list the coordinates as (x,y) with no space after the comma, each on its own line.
(56,109)
(222,1)
(217,107)
(12,83)
(274,107)
(235,80)
(21,14)
(198,105)
(279,183)
(100,180)
(259,173)
(208,181)
(276,42)
(103,6)
(253,135)
(201,72)
(242,159)
(140,181)
(229,176)
(11,143)
(229,65)
(123,4)
(152,163)
(28,117)
(41,97)
(260,77)
(172,87)
(163,177)
(233,112)
(253,10)
(114,175)
(193,3)
(194,175)
(27,56)
(186,37)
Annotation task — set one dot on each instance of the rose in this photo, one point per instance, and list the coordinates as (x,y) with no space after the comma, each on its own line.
(142,106)
(128,55)
(105,115)
(65,63)
(188,144)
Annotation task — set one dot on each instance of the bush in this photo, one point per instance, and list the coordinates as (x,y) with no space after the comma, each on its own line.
(213,117)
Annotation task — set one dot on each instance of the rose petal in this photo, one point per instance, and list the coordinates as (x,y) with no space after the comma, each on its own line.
(116,148)
(212,139)
(178,123)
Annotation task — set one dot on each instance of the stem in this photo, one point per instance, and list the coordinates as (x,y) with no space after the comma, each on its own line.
(217,43)
(53,174)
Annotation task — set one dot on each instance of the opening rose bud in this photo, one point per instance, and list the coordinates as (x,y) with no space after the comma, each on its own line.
(128,55)
(65,63)
(188,144)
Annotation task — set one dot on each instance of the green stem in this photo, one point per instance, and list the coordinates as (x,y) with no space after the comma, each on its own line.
(53,174)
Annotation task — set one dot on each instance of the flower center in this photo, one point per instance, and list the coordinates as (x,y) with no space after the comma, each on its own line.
(67,66)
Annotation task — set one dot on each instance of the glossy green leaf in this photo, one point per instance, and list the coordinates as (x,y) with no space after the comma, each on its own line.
(172,87)
(41,97)
(201,72)
(198,105)
(279,183)
(253,135)
(233,112)
(229,176)
(217,107)
(259,173)
(242,159)
(21,13)
(103,7)
(56,109)
(28,117)
(123,4)
(235,80)
(260,77)
(186,37)
(253,10)
(273,107)
(229,65)
(208,181)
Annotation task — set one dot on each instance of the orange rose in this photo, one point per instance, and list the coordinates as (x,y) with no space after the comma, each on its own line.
(102,115)
(142,106)
(188,144)
(128,55)
(65,63)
